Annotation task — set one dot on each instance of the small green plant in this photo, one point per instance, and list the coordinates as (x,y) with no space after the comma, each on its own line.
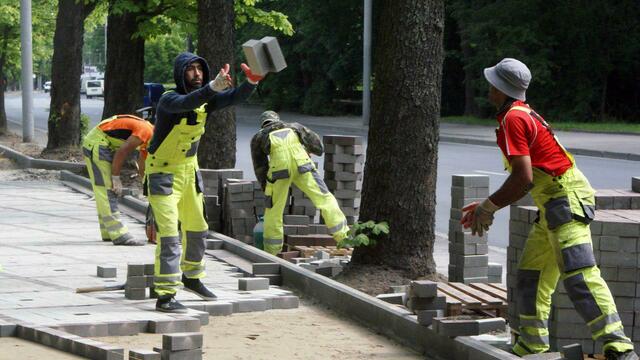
(85,120)
(365,233)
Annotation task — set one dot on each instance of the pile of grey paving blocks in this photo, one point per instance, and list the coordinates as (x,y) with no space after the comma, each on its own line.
(139,278)
(258,198)
(181,346)
(424,301)
(213,180)
(269,271)
(322,263)
(301,204)
(616,243)
(239,213)
(468,254)
(343,172)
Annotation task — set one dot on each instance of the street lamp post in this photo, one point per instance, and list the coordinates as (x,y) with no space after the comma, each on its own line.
(27,70)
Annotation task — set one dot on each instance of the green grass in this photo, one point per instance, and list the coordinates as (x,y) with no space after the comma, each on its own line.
(603,127)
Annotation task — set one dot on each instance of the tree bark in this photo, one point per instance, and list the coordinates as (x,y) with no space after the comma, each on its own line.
(402,153)
(216,44)
(66,67)
(3,84)
(124,73)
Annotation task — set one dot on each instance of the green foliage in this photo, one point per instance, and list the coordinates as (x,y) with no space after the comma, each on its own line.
(159,54)
(85,121)
(365,234)
(324,55)
(246,10)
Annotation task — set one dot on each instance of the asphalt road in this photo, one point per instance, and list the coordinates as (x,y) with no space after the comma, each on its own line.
(453,158)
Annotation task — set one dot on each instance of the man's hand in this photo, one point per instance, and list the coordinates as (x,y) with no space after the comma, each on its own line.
(253,78)
(222,81)
(479,216)
(116,185)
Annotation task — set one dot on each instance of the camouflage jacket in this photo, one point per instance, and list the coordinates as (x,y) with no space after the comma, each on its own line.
(261,146)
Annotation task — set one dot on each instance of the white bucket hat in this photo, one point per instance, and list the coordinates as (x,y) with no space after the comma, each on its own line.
(510,76)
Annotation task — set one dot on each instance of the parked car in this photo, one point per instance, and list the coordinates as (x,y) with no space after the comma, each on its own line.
(47,86)
(95,88)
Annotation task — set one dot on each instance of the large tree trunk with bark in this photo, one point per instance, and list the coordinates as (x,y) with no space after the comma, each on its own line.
(402,153)
(66,67)
(124,74)
(216,44)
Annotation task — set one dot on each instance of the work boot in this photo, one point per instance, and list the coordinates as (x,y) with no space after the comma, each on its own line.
(128,240)
(167,303)
(197,287)
(615,355)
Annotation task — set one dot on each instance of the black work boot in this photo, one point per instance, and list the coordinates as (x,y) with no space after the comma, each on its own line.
(167,303)
(197,287)
(615,355)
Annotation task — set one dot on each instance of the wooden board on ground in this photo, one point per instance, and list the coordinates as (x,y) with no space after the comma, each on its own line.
(308,251)
(475,297)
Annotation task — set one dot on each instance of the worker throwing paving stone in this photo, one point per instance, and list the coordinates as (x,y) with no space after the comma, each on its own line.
(105,149)
(173,182)
(559,244)
(280,154)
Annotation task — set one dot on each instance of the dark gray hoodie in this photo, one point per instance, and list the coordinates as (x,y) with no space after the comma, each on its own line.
(179,104)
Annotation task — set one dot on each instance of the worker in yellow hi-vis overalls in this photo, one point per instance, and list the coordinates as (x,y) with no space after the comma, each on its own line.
(559,244)
(105,149)
(287,147)
(173,182)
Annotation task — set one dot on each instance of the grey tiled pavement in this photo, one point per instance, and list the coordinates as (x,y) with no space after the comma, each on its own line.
(50,245)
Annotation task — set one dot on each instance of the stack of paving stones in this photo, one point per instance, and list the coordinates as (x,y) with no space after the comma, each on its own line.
(181,346)
(343,172)
(468,254)
(213,180)
(139,278)
(301,204)
(424,301)
(495,273)
(258,198)
(322,263)
(239,213)
(615,237)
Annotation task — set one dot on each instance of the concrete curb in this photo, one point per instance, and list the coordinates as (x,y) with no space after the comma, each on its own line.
(395,322)
(25,161)
(583,152)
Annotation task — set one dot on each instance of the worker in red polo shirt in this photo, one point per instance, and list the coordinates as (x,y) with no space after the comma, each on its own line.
(559,244)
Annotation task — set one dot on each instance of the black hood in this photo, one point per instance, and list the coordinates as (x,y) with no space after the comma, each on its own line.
(180,64)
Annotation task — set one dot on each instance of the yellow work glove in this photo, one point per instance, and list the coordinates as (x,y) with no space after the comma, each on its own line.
(222,81)
(479,216)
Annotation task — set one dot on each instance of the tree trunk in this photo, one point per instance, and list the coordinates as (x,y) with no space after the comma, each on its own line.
(403,135)
(124,73)
(216,44)
(66,67)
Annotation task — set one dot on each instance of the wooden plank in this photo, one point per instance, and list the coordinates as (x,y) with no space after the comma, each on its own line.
(490,290)
(498,286)
(464,298)
(482,296)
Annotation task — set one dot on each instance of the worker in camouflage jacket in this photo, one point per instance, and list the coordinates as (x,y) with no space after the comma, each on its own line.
(280,153)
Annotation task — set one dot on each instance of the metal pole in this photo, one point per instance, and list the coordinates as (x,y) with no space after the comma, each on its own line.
(366,64)
(27,70)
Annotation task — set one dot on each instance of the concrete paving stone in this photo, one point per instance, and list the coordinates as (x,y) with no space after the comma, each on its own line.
(86,329)
(573,352)
(123,328)
(425,317)
(7,329)
(195,354)
(249,305)
(423,289)
(174,325)
(141,354)
(393,298)
(265,268)
(545,356)
(436,303)
(285,302)
(139,281)
(131,293)
(135,269)
(149,269)
(219,308)
(203,316)
(249,284)
(274,279)
(214,244)
(107,271)
(182,341)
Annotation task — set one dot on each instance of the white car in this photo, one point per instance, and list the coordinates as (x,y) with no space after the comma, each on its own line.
(95,88)
(47,86)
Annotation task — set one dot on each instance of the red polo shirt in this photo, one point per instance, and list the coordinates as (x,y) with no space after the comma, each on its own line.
(525,133)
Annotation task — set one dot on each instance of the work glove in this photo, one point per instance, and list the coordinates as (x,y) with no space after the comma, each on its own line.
(479,216)
(251,77)
(116,185)
(222,81)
